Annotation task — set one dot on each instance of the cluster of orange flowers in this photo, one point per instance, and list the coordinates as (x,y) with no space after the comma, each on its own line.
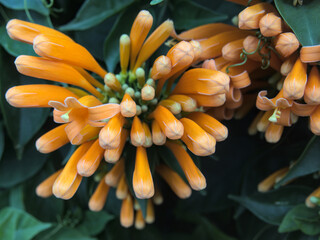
(177,103)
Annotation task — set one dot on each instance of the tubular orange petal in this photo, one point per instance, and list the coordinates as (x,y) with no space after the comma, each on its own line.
(139,221)
(250,17)
(36,95)
(137,134)
(161,67)
(86,134)
(268,183)
(197,140)
(209,101)
(124,52)
(273,133)
(112,82)
(232,50)
(158,137)
(286,44)
(153,42)
(150,212)
(44,189)
(139,31)
(287,65)
(110,134)
(175,182)
(25,31)
(148,140)
(315,121)
(66,51)
(171,105)
(112,178)
(113,155)
(157,198)
(128,107)
(99,197)
(264,122)
(188,104)
(63,184)
(142,179)
(312,91)
(89,78)
(90,161)
(202,81)
(55,71)
(52,140)
(310,54)
(122,188)
(210,125)
(194,176)
(303,110)
(171,126)
(127,212)
(265,104)
(295,83)
(74,187)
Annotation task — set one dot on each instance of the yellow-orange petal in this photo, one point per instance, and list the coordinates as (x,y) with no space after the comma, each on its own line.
(266,104)
(99,197)
(264,122)
(90,161)
(148,138)
(287,65)
(209,101)
(39,67)
(127,212)
(194,176)
(315,121)
(139,221)
(122,188)
(202,81)
(161,67)
(110,134)
(139,31)
(60,49)
(147,92)
(72,190)
(112,178)
(171,126)
(112,82)
(312,91)
(44,189)
(153,42)
(158,137)
(175,182)
(286,44)
(128,107)
(171,105)
(250,17)
(273,133)
(210,125)
(188,104)
(52,140)
(124,52)
(232,50)
(26,31)
(295,83)
(270,25)
(268,183)
(113,155)
(86,134)
(102,112)
(197,140)
(142,179)
(137,134)
(315,193)
(157,198)
(37,95)
(69,174)
(209,64)
(150,218)
(310,54)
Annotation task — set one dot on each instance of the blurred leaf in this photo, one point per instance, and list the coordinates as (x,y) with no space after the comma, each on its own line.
(111,44)
(21,124)
(93,12)
(94,222)
(4,198)
(269,232)
(16,224)
(300,236)
(14,171)
(36,5)
(16,197)
(301,20)
(301,218)
(307,163)
(188,14)
(64,233)
(1,140)
(155,2)
(272,206)
(130,159)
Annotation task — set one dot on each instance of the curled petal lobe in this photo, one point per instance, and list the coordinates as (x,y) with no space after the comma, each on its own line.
(266,104)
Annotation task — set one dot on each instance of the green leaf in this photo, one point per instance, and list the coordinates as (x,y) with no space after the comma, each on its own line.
(16,197)
(155,2)
(272,206)
(301,218)
(64,233)
(188,14)
(14,171)
(1,140)
(111,44)
(94,222)
(21,124)
(307,163)
(16,224)
(93,12)
(129,168)
(301,20)
(36,5)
